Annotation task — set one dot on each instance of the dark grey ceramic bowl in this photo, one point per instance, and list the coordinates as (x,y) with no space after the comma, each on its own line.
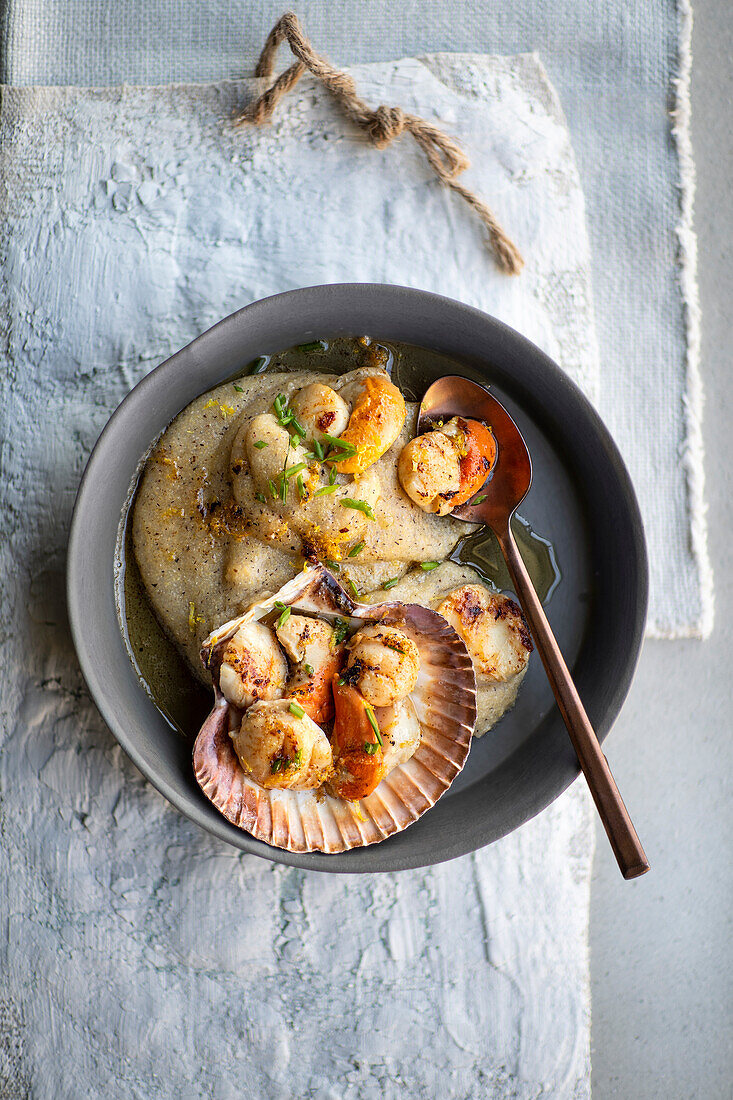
(581,498)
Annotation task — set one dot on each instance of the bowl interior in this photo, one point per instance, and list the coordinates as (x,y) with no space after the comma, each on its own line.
(581,499)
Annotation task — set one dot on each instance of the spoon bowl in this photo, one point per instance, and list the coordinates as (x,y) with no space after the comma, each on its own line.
(506,486)
(511,475)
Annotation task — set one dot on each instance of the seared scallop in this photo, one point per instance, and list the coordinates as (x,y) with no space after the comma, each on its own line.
(383,664)
(315,658)
(400,731)
(320,410)
(429,470)
(493,629)
(252,666)
(279,748)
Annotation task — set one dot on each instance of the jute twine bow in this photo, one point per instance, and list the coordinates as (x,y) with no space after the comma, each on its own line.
(381,126)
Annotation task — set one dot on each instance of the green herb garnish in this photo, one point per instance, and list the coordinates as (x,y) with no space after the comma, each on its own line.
(340,630)
(371,747)
(332,476)
(428,565)
(298,758)
(284,615)
(332,565)
(347,449)
(353,588)
(309,670)
(261,497)
(260,444)
(293,470)
(390,583)
(258,365)
(277,765)
(273,489)
(297,710)
(295,423)
(239,389)
(356,549)
(358,505)
(326,489)
(373,723)
(301,487)
(318,450)
(314,345)
(479,500)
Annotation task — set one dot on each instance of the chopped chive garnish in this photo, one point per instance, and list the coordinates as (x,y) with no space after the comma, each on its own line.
(298,426)
(314,345)
(284,616)
(391,583)
(273,489)
(293,470)
(371,747)
(301,487)
(277,765)
(354,589)
(356,549)
(373,723)
(340,630)
(479,500)
(342,444)
(260,444)
(258,364)
(239,389)
(284,489)
(332,565)
(296,709)
(332,476)
(326,489)
(359,506)
(309,670)
(318,450)
(298,758)
(428,565)
(261,497)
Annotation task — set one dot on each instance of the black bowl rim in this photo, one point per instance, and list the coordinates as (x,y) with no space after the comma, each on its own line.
(538,369)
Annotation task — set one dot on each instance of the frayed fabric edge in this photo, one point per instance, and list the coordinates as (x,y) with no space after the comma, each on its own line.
(693,453)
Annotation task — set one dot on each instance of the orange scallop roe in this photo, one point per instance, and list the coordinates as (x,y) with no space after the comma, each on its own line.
(357,771)
(478,461)
(375,422)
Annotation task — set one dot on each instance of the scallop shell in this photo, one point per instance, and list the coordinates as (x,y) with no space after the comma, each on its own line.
(308,821)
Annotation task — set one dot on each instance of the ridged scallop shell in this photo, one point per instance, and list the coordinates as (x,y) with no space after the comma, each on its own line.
(308,821)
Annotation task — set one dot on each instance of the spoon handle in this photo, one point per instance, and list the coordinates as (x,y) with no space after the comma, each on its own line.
(613,813)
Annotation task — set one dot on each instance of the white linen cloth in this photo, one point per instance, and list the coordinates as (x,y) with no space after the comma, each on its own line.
(162,962)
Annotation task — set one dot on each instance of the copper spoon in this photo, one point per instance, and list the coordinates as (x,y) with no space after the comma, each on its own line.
(509,484)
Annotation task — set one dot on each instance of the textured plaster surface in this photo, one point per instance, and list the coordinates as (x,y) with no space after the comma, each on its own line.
(660,948)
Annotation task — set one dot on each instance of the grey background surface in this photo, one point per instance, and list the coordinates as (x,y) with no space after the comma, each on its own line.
(662,984)
(660,947)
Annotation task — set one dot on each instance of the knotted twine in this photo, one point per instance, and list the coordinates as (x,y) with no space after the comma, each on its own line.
(381,126)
